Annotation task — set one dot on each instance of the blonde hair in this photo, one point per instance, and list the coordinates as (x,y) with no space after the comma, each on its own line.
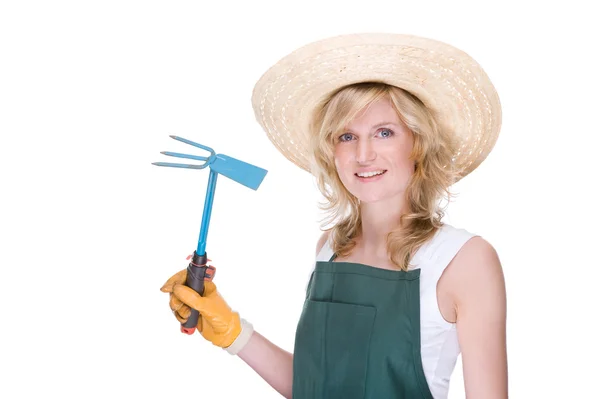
(432,152)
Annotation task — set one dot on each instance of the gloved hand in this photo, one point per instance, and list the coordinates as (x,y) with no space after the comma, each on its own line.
(217,322)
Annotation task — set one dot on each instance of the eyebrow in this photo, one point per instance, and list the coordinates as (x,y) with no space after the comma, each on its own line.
(378,125)
(384,123)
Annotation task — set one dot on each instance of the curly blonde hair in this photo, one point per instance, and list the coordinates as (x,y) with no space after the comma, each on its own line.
(432,152)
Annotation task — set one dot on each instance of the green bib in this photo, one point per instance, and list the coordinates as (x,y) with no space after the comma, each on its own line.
(359,335)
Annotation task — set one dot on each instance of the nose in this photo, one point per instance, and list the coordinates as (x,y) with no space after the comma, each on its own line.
(364,151)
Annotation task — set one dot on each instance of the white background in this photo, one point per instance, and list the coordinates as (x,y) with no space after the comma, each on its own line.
(90,91)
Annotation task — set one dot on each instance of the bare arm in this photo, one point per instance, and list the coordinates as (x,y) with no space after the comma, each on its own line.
(272,363)
(480,302)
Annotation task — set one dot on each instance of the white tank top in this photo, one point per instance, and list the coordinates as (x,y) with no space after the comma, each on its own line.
(439,341)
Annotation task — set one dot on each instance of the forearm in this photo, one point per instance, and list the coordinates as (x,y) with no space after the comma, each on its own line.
(271,362)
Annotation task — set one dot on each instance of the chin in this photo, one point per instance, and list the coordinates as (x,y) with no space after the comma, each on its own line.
(374,197)
(368,199)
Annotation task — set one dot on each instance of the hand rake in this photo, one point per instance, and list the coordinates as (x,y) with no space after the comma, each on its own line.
(248,175)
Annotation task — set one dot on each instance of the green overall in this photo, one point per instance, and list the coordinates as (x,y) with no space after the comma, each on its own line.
(359,335)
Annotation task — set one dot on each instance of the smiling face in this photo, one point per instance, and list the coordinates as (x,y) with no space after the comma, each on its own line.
(372,155)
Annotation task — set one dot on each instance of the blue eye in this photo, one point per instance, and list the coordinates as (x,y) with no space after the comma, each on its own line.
(385,133)
(390,133)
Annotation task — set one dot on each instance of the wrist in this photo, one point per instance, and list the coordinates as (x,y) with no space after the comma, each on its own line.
(242,339)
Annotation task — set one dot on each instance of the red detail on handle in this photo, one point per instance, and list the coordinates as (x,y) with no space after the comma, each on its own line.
(210,273)
(190,256)
(188,331)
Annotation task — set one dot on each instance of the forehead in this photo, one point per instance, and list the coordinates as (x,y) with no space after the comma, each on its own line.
(378,112)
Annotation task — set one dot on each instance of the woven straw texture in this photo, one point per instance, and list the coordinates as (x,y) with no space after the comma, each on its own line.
(445,78)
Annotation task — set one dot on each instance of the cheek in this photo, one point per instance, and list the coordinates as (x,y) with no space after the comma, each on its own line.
(340,159)
(336,161)
(344,171)
(404,162)
(402,165)
(403,155)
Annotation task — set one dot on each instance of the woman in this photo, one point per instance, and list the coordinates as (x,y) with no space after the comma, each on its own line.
(386,123)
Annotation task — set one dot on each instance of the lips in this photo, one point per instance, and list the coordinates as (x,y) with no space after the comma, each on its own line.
(365,177)
(370,179)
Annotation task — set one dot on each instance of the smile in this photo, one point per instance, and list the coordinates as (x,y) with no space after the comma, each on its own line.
(370,176)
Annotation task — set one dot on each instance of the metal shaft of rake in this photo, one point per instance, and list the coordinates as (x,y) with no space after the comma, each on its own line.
(208,203)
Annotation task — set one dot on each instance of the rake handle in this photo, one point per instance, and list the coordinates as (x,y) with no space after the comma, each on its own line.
(197,273)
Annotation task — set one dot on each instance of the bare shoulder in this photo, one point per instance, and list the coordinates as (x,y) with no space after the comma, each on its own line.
(475,269)
(476,286)
(322,240)
(477,256)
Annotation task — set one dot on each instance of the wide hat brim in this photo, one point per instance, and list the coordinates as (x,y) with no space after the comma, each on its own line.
(444,78)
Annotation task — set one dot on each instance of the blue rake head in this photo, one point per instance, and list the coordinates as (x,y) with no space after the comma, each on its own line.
(241,172)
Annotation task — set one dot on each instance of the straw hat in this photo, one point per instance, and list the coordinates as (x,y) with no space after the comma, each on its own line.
(445,79)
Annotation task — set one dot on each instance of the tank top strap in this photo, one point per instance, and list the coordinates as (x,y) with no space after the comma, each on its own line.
(326,252)
(325,255)
(436,254)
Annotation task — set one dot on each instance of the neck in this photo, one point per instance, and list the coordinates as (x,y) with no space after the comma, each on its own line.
(377,221)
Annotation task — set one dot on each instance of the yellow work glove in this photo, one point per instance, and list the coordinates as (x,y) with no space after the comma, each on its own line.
(217,322)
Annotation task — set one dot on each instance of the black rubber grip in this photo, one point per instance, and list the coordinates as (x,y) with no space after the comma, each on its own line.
(196,272)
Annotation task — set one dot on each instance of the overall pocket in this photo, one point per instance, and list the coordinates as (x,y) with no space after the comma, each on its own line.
(331,351)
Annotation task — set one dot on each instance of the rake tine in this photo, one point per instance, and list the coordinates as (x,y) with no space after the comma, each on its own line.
(188,156)
(180,165)
(193,143)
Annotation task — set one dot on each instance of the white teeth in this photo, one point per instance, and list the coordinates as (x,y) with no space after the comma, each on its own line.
(369,174)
